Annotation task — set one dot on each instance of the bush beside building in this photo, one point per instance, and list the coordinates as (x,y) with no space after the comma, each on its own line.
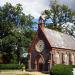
(61,70)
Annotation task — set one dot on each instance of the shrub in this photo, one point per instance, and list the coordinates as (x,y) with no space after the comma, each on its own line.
(10,66)
(61,70)
(73,66)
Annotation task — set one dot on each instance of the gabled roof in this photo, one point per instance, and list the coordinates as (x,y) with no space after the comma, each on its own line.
(59,40)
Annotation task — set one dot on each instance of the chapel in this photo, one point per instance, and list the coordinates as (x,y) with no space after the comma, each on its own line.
(50,47)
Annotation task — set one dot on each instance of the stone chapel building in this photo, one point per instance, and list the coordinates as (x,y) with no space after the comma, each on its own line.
(50,47)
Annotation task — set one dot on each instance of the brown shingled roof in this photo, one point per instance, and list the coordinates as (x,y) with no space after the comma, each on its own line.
(59,40)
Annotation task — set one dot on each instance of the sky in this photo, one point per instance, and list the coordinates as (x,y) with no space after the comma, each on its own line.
(36,7)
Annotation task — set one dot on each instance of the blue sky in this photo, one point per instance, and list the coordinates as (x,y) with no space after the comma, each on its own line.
(35,7)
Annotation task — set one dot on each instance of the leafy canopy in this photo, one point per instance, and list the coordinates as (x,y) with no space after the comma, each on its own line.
(14,32)
(59,15)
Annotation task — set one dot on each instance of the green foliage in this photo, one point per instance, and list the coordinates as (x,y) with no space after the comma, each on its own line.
(10,66)
(59,14)
(73,66)
(15,32)
(61,70)
(13,14)
(53,27)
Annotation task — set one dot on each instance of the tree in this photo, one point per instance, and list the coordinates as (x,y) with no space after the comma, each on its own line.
(59,14)
(14,32)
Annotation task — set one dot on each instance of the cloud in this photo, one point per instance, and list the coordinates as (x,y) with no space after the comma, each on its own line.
(33,7)
(73,5)
(69,3)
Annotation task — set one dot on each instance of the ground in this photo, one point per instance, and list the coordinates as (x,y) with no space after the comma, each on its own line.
(19,72)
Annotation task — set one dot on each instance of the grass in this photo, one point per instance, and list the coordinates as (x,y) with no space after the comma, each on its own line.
(24,74)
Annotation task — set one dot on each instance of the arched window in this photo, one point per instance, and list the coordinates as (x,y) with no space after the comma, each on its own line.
(66,59)
(57,58)
(72,59)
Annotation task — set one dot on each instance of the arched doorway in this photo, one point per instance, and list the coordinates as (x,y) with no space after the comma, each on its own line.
(39,62)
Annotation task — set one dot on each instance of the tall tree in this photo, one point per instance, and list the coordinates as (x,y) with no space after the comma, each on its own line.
(14,30)
(59,14)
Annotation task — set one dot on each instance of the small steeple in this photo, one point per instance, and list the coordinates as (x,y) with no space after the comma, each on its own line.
(41,22)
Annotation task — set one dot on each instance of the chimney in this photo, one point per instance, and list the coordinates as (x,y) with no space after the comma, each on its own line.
(41,23)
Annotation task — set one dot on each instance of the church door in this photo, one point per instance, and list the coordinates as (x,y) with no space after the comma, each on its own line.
(40,66)
(40,63)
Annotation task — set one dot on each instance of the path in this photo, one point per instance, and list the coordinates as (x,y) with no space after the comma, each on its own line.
(19,72)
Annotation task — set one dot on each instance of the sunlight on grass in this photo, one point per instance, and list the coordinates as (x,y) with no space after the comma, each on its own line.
(24,74)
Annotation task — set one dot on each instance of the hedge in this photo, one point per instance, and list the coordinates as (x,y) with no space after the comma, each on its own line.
(61,70)
(10,66)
